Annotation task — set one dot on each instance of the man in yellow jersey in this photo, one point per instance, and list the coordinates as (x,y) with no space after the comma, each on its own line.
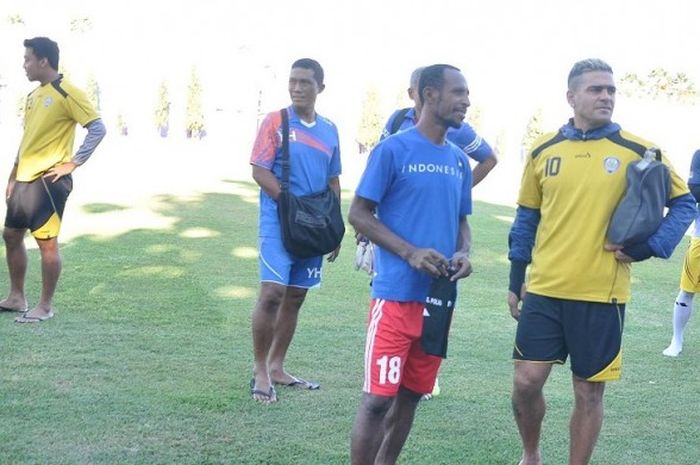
(690,274)
(40,180)
(577,289)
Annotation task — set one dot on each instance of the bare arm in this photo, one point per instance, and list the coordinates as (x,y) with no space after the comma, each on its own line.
(363,220)
(460,260)
(334,184)
(267,181)
(483,168)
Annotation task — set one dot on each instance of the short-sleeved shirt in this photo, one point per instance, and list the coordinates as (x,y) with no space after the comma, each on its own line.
(422,190)
(463,137)
(576,183)
(51,112)
(694,178)
(314,158)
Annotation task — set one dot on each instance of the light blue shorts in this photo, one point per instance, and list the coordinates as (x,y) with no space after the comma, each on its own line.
(278,266)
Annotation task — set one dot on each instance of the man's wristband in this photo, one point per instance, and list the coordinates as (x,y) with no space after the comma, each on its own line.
(638,252)
(517,276)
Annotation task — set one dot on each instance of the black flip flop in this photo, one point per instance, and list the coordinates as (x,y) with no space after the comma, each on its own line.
(271,394)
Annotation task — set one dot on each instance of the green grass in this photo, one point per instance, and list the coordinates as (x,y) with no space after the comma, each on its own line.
(149,357)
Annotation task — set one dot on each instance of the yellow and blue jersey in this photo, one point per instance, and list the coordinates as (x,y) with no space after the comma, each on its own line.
(694,185)
(51,112)
(574,181)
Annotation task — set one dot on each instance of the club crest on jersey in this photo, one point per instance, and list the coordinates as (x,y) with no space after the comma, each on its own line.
(611,164)
(48,101)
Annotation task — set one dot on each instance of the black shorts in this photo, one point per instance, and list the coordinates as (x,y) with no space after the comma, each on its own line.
(551,329)
(38,206)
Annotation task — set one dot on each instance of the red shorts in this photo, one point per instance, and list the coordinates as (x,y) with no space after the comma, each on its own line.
(393,354)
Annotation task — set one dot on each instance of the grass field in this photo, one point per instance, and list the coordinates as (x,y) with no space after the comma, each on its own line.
(149,357)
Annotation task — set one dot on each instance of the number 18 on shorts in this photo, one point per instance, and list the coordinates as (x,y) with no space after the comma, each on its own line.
(393,353)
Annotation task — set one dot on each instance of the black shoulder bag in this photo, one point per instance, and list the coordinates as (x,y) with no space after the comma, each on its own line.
(398,120)
(311,225)
(641,209)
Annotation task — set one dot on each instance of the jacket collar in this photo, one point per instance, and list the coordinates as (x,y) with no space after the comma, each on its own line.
(572,133)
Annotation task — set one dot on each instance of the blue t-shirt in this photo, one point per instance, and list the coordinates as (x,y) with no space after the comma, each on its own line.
(465,137)
(314,158)
(421,191)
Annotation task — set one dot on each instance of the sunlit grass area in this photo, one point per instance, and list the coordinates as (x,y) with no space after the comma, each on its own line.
(149,357)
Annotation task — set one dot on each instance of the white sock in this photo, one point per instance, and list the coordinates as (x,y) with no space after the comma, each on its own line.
(681,314)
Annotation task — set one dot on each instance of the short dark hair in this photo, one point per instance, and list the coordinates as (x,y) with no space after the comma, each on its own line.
(313,65)
(415,77)
(433,76)
(43,47)
(586,66)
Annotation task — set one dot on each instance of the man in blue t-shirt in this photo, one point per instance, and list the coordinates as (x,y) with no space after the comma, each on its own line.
(463,136)
(419,185)
(314,161)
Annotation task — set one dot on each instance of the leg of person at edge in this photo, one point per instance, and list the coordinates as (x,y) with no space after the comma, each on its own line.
(464,136)
(40,180)
(682,310)
(397,370)
(690,274)
(314,153)
(573,304)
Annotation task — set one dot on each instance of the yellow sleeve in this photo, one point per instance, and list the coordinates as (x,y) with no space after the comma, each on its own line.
(79,107)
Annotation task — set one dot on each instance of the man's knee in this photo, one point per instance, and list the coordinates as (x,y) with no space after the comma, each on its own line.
(294,296)
(48,246)
(13,237)
(270,297)
(588,394)
(48,249)
(529,378)
(375,405)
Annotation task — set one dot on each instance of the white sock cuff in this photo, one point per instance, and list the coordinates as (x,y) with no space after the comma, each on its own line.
(685,299)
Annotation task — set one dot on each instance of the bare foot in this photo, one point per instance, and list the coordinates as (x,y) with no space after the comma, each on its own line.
(36,315)
(281,377)
(14,304)
(262,391)
(535,459)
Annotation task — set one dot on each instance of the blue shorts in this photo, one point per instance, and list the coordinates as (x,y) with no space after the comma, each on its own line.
(278,266)
(551,329)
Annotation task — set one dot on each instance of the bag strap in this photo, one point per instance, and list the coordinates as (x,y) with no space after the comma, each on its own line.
(398,120)
(285,150)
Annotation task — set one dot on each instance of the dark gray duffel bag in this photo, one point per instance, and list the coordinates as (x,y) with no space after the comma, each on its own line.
(641,209)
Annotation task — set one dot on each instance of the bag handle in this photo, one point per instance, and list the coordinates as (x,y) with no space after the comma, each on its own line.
(651,154)
(285,150)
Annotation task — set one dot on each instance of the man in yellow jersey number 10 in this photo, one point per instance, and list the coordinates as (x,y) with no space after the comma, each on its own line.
(576,289)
